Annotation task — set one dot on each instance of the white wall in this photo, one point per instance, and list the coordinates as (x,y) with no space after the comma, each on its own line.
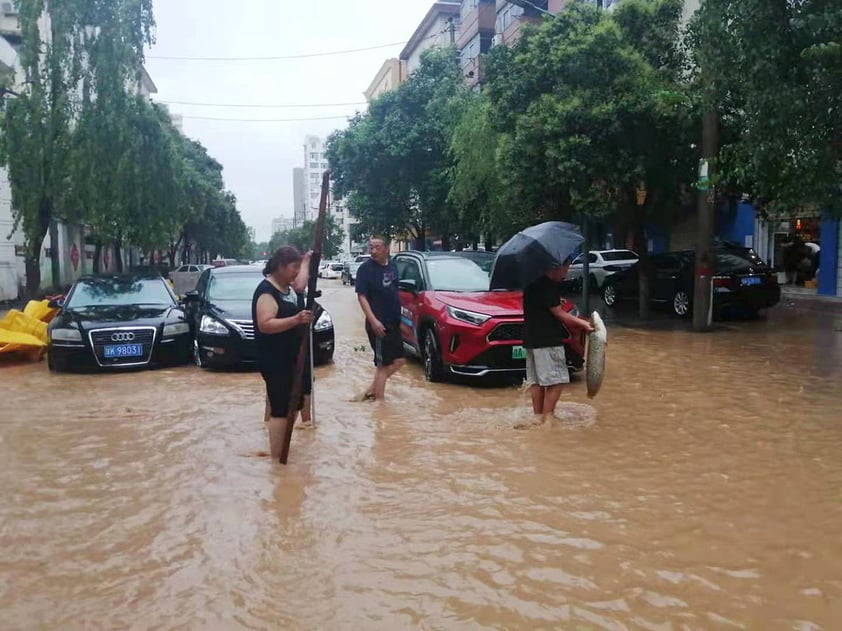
(437,36)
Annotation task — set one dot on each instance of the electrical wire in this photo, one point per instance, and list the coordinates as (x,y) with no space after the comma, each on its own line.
(261,105)
(265,120)
(349,51)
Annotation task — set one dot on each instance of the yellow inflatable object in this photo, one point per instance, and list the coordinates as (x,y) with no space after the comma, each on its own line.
(22,331)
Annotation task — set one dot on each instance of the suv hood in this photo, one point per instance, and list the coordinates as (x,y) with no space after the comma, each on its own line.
(493,303)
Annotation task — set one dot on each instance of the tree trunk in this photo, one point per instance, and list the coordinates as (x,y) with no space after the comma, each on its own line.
(118,254)
(98,256)
(55,260)
(33,272)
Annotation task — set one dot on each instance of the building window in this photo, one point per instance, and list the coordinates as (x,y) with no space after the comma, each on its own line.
(314,165)
(314,156)
(507,17)
(467,7)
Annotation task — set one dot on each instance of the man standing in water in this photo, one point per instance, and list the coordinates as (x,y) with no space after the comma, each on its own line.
(546,327)
(377,292)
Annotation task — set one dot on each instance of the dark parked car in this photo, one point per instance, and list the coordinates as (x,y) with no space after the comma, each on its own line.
(219,311)
(118,322)
(741,279)
(456,325)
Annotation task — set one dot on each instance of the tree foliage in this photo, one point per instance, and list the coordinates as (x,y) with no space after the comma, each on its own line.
(393,163)
(776,76)
(304,236)
(81,144)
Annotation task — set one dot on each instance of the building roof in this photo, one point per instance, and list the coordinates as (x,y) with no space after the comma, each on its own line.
(385,69)
(438,9)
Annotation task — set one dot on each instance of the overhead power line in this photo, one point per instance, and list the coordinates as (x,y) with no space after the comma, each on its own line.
(265,120)
(349,51)
(262,105)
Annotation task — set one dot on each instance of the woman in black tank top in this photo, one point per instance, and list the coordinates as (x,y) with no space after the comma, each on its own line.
(279,323)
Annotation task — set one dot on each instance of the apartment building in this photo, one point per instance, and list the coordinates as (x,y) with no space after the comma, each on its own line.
(315,165)
(389,77)
(282,224)
(439,29)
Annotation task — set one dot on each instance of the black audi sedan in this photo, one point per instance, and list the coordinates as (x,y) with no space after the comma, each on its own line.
(118,322)
(219,312)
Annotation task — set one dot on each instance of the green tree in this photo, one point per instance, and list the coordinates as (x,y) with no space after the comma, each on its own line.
(36,125)
(589,106)
(776,76)
(394,163)
(304,236)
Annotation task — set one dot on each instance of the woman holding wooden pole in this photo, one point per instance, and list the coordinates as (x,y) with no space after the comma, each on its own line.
(281,321)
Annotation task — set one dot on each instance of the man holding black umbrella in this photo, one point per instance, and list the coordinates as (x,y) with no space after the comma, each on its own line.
(546,327)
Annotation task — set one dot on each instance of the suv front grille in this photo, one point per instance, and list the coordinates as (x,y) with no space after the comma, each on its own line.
(511,332)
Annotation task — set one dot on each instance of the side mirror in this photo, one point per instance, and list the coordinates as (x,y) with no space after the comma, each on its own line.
(56,303)
(190,296)
(408,285)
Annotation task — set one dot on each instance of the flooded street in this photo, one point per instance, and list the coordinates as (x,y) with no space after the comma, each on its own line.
(702,489)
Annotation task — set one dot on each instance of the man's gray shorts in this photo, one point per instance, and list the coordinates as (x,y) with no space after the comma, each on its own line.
(546,366)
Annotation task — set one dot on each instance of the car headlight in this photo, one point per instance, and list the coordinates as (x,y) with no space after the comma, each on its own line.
(471,317)
(180,328)
(66,335)
(213,326)
(324,322)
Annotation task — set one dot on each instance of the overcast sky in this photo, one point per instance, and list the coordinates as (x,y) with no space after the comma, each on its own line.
(259,157)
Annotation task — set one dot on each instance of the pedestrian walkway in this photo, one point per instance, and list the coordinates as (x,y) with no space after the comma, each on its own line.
(809,299)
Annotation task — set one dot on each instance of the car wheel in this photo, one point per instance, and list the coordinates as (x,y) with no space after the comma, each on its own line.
(609,295)
(197,354)
(681,305)
(433,370)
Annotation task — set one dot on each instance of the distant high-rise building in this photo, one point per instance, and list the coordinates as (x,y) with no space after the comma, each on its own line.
(282,224)
(315,165)
(299,196)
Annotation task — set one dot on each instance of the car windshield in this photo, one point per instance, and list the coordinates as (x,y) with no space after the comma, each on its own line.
(119,292)
(337,267)
(620,255)
(458,274)
(233,286)
(483,259)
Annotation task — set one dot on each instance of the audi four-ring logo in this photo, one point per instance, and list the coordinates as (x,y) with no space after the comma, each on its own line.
(122,337)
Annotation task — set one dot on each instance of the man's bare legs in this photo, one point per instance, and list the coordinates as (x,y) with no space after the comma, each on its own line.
(544,401)
(551,396)
(377,389)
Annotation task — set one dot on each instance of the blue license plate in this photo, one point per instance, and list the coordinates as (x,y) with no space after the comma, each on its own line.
(123,350)
(751,280)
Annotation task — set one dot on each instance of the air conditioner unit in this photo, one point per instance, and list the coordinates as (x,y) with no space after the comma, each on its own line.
(9,8)
(497,40)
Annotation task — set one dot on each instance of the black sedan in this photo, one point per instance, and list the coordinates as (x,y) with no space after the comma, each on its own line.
(741,280)
(219,312)
(118,322)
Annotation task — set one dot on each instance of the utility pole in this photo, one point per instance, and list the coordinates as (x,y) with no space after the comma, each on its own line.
(703,286)
(586,268)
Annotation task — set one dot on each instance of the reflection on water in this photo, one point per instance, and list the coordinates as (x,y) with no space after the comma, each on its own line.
(700,489)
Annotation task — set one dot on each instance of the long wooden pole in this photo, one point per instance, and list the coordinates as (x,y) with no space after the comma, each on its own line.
(304,348)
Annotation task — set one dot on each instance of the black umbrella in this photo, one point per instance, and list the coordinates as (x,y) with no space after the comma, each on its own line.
(531,253)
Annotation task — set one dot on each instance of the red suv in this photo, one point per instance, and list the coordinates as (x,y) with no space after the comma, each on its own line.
(456,325)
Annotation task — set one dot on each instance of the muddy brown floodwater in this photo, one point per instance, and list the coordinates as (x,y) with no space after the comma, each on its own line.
(700,490)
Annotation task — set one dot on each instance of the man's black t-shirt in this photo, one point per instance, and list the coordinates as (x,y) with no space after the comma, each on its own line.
(379,283)
(542,329)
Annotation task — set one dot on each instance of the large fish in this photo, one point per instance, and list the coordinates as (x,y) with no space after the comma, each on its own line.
(597,341)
